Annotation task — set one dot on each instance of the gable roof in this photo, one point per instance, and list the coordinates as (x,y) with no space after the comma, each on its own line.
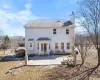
(48,23)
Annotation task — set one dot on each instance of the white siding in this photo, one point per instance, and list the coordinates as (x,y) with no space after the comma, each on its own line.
(59,37)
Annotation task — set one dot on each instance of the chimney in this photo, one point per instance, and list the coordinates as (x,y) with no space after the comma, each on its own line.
(72,18)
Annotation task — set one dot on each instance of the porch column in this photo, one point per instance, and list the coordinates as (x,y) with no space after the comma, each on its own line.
(26,59)
(39,47)
(48,48)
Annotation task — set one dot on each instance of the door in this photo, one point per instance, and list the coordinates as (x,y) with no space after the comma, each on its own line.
(44,47)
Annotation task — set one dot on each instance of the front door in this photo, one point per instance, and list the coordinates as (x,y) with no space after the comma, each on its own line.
(44,47)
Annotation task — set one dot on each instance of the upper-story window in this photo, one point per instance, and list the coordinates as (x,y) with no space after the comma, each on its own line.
(67,31)
(54,31)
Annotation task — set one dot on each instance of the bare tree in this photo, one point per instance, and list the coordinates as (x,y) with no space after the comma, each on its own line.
(1,32)
(6,44)
(89,13)
(83,44)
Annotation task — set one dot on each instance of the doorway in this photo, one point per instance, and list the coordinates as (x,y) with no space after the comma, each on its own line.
(44,47)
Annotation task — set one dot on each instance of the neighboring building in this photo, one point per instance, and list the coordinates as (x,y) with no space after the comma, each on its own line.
(44,35)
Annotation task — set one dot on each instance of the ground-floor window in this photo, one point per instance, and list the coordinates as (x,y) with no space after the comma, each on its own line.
(30,44)
(62,45)
(68,46)
(56,45)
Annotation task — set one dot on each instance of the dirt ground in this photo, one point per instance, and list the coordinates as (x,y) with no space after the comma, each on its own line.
(15,70)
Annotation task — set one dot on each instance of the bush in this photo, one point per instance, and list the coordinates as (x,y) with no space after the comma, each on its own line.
(57,52)
(51,52)
(31,55)
(20,53)
(22,44)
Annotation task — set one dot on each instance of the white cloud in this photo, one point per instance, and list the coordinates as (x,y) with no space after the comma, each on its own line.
(12,22)
(28,6)
(79,28)
(6,6)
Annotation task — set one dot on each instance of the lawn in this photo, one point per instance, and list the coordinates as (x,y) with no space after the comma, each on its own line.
(14,70)
(24,72)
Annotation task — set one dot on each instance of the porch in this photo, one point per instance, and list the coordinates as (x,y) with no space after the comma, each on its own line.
(43,45)
(46,60)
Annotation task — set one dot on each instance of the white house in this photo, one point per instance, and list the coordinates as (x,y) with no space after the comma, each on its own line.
(45,35)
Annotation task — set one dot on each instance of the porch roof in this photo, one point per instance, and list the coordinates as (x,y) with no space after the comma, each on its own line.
(30,39)
(43,38)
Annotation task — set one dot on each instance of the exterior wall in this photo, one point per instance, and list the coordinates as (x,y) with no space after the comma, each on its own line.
(60,36)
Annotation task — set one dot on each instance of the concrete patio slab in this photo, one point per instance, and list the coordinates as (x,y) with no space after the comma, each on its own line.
(46,60)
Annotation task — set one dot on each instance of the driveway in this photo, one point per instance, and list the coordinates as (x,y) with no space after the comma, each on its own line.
(46,59)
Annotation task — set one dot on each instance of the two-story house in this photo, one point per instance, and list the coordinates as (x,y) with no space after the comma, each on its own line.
(44,35)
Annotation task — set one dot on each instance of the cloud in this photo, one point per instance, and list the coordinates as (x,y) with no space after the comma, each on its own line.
(12,22)
(6,6)
(79,28)
(28,6)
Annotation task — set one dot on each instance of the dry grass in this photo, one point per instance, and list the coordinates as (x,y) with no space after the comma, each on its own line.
(45,72)
(9,51)
(24,73)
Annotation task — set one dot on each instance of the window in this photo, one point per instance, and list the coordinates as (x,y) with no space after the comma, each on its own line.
(30,44)
(67,31)
(38,46)
(68,45)
(62,45)
(56,45)
(54,31)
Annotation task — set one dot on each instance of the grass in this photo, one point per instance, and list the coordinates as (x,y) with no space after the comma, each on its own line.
(42,72)
(37,72)
(24,73)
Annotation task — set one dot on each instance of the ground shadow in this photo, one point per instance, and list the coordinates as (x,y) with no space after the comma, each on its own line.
(10,58)
(46,57)
(36,57)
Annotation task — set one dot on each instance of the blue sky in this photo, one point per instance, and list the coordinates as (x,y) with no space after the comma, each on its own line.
(15,13)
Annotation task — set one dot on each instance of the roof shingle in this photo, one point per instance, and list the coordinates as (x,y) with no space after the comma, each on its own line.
(47,23)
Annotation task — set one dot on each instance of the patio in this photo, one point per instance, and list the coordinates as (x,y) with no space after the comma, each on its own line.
(46,60)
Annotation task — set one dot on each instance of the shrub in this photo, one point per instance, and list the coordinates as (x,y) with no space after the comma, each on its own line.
(20,53)
(63,52)
(58,52)
(31,55)
(22,44)
(51,52)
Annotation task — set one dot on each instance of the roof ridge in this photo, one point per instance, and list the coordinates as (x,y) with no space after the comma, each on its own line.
(50,19)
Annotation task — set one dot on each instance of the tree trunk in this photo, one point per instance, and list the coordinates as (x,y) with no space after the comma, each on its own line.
(4,51)
(74,59)
(82,61)
(98,57)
